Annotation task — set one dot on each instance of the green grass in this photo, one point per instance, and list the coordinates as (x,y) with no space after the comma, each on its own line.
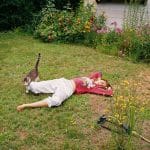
(69,126)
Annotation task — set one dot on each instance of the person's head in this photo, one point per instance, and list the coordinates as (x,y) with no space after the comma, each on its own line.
(103,83)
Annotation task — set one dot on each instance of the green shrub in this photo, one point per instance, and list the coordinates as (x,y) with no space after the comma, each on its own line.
(14,13)
(133,43)
(135,38)
(55,24)
(91,39)
(66,25)
(109,40)
(140,49)
(136,43)
(112,37)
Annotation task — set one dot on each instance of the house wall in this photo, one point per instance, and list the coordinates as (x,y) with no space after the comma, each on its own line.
(113,11)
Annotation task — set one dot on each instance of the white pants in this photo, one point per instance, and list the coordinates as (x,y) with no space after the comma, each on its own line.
(60,88)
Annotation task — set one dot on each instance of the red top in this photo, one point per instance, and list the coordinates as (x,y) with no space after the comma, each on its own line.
(86,85)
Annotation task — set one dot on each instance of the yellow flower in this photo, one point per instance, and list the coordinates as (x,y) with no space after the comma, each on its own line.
(92,127)
(116,104)
(121,97)
(142,109)
(87,26)
(124,106)
(116,116)
(124,118)
(78,21)
(126,82)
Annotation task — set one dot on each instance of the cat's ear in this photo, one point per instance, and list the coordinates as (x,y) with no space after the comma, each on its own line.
(28,79)
(24,80)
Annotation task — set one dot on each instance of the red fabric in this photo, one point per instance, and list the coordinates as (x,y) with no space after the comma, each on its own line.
(81,88)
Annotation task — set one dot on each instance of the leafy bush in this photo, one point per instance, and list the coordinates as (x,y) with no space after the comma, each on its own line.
(109,39)
(141,51)
(91,39)
(51,28)
(66,25)
(136,43)
(54,23)
(14,13)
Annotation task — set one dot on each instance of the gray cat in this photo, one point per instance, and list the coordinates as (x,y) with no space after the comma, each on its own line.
(33,75)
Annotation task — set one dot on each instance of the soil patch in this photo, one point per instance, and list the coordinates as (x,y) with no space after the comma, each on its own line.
(99,105)
(23,135)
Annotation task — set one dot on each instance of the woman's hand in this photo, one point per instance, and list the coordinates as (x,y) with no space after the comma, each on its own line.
(109,88)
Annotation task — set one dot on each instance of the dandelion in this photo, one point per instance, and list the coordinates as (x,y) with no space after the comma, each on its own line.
(121,97)
(142,109)
(145,103)
(78,20)
(92,127)
(73,122)
(116,116)
(124,106)
(124,118)
(135,84)
(126,82)
(119,122)
(87,26)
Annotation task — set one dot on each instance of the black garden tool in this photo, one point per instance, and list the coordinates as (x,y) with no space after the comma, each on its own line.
(103,119)
(127,130)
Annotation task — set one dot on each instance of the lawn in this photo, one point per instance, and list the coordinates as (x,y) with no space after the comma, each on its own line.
(71,126)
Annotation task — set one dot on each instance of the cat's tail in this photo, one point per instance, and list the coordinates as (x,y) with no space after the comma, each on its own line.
(37,62)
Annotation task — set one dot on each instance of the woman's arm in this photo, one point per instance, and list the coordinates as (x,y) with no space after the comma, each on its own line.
(96,75)
(101,91)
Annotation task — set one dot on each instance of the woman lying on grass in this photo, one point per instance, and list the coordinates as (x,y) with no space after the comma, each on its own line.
(63,88)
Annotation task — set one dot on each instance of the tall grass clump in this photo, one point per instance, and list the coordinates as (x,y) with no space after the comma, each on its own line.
(126,108)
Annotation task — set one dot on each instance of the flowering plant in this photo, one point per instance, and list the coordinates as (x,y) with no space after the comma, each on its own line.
(67,25)
(126,108)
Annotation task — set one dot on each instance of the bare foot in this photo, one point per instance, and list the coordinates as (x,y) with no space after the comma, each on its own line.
(21,107)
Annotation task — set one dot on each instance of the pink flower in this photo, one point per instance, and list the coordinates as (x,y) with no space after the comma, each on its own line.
(114,23)
(103,30)
(118,30)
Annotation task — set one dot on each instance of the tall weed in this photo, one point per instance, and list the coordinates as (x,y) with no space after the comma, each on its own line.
(135,15)
(126,108)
